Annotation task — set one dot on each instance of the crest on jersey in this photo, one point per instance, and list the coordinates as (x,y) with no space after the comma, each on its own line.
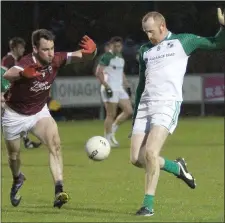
(114,67)
(170,45)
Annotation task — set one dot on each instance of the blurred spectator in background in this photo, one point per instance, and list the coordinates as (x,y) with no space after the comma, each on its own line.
(107,48)
(17,49)
(129,53)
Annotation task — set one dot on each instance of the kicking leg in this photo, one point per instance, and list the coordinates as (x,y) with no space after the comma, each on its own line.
(127,111)
(154,143)
(153,163)
(13,149)
(47,131)
(111,109)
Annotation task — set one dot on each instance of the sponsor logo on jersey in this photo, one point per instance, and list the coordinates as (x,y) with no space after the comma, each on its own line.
(40,86)
(46,70)
(162,56)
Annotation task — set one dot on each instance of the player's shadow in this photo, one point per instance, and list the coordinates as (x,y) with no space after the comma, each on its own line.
(83,209)
(47,210)
(46,165)
(95,210)
(27,211)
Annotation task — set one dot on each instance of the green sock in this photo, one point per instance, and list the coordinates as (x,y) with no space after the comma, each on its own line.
(171,167)
(148,201)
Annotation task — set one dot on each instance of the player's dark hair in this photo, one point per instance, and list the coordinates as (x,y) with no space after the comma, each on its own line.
(116,39)
(107,43)
(15,41)
(41,33)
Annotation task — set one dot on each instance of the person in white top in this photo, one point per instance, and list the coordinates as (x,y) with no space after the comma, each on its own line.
(115,90)
(162,66)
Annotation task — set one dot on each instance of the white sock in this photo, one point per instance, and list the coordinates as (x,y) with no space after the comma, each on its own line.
(114,128)
(108,136)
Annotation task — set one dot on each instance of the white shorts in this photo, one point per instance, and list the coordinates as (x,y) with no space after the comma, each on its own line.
(15,125)
(163,113)
(117,95)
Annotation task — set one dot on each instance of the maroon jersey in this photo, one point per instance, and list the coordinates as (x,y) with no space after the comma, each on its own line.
(29,96)
(8,61)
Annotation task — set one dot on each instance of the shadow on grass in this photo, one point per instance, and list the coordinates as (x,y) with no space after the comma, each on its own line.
(48,210)
(46,165)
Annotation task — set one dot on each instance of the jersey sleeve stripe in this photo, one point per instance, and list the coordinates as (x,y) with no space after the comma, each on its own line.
(5,68)
(18,67)
(68,57)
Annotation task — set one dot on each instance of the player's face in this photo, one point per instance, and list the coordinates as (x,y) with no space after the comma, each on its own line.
(45,51)
(117,47)
(154,31)
(19,50)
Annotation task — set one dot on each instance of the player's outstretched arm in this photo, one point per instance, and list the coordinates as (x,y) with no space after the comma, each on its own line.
(17,72)
(193,42)
(12,74)
(88,51)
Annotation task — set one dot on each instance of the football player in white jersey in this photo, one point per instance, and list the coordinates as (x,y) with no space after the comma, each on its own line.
(115,90)
(162,66)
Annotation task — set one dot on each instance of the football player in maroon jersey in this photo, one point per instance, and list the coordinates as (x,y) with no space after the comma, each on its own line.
(17,48)
(26,106)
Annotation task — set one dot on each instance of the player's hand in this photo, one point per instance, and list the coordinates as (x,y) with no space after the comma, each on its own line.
(221,17)
(109,92)
(129,92)
(88,45)
(31,71)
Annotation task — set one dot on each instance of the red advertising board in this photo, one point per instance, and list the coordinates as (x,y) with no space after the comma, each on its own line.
(214,88)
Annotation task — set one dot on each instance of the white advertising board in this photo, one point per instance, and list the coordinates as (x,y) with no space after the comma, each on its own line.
(85,91)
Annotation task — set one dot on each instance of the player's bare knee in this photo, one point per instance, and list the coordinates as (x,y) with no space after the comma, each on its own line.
(129,112)
(110,116)
(151,155)
(136,162)
(55,146)
(134,159)
(13,155)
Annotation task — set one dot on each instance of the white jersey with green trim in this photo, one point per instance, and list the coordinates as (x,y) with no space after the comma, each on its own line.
(114,70)
(165,69)
(162,67)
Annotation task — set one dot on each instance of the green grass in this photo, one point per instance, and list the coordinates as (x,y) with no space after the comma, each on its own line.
(112,190)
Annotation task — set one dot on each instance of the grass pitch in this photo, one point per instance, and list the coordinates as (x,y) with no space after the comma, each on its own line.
(112,190)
